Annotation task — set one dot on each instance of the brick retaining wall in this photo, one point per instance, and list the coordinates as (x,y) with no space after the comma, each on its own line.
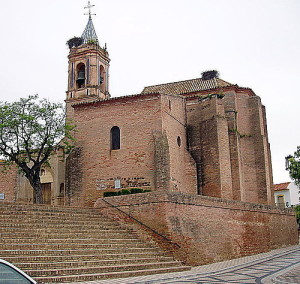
(208,229)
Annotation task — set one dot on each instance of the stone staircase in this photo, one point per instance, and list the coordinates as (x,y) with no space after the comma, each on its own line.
(61,244)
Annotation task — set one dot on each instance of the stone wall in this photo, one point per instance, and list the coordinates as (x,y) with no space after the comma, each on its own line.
(207,229)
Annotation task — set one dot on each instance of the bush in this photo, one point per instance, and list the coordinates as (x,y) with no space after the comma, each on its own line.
(125,191)
(111,193)
(297,209)
(136,190)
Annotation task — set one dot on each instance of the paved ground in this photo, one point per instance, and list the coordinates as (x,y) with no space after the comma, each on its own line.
(279,266)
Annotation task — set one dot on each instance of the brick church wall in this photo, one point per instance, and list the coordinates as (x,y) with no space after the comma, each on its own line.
(148,157)
(250,152)
(209,146)
(228,140)
(207,229)
(8,183)
(183,175)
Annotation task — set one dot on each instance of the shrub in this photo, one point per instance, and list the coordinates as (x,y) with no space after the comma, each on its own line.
(111,193)
(125,191)
(136,190)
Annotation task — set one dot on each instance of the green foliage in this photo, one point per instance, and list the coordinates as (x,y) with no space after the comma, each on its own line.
(30,131)
(136,190)
(111,193)
(125,191)
(297,209)
(294,166)
(92,41)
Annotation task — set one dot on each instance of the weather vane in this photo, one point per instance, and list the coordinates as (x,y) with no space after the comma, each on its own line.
(89,6)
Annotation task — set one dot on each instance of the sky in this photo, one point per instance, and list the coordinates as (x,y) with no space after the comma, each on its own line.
(252,43)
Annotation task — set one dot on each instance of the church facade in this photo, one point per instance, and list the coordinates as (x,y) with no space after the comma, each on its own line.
(203,136)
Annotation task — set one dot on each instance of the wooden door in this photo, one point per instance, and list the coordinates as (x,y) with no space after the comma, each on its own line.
(46,190)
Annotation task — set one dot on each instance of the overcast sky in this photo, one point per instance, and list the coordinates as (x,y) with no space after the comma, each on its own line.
(252,43)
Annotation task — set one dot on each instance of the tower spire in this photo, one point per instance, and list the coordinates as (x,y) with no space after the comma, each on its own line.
(89,33)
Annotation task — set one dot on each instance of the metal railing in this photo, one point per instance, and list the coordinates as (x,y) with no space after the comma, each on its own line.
(141,223)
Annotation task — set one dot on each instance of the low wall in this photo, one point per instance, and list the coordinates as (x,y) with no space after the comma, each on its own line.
(206,229)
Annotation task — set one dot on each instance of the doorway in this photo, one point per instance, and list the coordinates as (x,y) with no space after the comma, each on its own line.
(46,191)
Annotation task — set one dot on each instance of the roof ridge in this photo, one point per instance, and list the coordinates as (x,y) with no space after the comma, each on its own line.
(175,82)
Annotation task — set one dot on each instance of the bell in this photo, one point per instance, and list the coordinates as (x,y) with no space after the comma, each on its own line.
(81,77)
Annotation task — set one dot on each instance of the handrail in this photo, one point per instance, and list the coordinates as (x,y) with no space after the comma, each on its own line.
(141,223)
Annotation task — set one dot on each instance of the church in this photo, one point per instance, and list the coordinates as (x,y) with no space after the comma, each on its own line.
(193,147)
(203,136)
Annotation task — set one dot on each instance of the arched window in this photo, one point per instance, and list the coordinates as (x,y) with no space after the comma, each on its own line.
(62,190)
(101,74)
(115,138)
(80,75)
(179,141)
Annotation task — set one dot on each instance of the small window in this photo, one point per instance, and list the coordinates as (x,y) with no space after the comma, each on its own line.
(179,141)
(170,106)
(115,138)
(62,190)
(117,183)
(43,172)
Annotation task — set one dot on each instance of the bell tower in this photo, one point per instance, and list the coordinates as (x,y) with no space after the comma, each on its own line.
(88,71)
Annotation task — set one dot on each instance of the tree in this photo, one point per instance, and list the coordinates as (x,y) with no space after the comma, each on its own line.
(297,209)
(30,131)
(293,166)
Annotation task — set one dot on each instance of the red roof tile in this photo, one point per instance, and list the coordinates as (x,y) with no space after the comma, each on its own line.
(187,86)
(281,186)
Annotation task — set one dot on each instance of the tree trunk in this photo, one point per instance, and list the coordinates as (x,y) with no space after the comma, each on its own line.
(38,193)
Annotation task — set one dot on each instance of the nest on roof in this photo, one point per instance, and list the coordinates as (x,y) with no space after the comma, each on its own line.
(208,75)
(75,42)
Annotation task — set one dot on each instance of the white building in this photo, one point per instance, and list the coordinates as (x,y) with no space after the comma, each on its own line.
(286,194)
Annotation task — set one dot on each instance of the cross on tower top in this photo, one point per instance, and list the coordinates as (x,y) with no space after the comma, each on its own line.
(89,6)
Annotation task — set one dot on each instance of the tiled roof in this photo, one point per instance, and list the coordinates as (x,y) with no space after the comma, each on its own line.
(281,186)
(188,86)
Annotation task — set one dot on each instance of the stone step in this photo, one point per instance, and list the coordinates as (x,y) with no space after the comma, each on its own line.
(66,235)
(59,226)
(13,207)
(62,244)
(11,216)
(93,251)
(110,275)
(100,269)
(72,246)
(82,257)
(40,216)
(90,263)
(71,240)
(62,231)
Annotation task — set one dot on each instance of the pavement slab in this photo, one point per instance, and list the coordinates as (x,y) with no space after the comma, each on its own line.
(281,266)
